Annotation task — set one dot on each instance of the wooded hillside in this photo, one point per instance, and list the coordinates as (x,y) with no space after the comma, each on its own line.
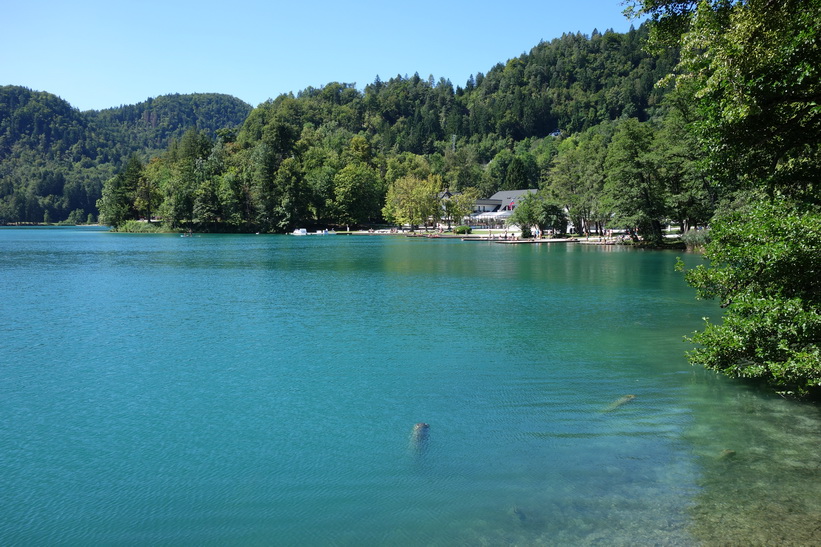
(54,159)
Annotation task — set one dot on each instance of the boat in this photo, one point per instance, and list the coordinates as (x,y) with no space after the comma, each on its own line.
(300,232)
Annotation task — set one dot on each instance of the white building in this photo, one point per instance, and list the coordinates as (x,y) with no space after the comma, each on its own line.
(498,207)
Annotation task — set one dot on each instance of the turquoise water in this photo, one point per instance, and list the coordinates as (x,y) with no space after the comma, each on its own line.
(261,390)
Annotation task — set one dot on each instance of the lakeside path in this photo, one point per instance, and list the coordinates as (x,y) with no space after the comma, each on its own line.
(483,237)
(493,239)
(520,241)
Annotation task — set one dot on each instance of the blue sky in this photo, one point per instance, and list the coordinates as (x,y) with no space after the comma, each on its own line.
(99,54)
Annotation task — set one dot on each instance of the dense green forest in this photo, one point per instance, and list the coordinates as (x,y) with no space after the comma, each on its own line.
(55,159)
(328,156)
(338,156)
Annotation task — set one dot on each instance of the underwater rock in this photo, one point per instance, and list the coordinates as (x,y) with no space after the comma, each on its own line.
(726,454)
(420,430)
(619,402)
(419,436)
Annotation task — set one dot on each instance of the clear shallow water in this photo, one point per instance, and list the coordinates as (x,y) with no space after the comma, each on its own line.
(262,390)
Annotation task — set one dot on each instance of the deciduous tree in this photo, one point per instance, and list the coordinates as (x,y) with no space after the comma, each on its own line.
(752,68)
(633,188)
(117,202)
(459,205)
(413,201)
(357,194)
(766,272)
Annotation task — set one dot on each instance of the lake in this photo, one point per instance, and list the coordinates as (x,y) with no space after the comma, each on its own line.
(262,390)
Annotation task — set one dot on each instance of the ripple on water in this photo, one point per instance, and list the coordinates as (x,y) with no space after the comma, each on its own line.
(257,390)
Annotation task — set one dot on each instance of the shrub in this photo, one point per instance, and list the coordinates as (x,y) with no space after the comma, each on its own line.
(137,227)
(696,239)
(462,230)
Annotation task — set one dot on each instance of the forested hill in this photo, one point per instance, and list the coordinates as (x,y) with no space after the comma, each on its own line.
(566,85)
(40,122)
(149,126)
(54,159)
(570,84)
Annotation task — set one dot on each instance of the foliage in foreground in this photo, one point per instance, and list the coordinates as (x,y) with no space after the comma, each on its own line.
(766,271)
(751,69)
